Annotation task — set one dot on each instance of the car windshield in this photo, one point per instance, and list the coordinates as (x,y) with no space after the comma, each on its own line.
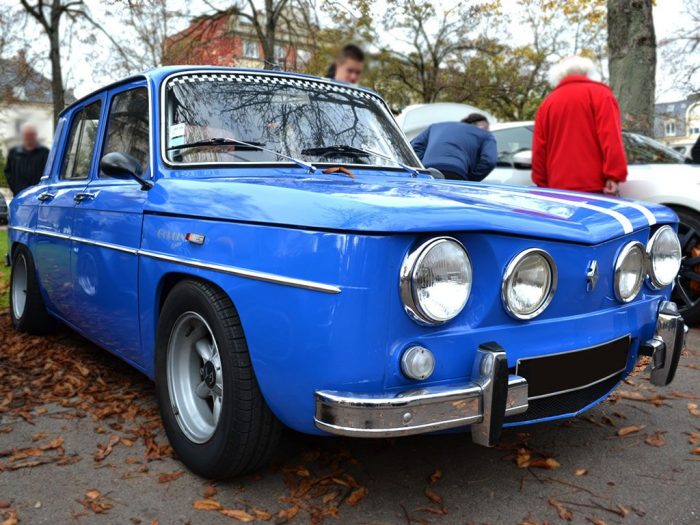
(643,150)
(313,121)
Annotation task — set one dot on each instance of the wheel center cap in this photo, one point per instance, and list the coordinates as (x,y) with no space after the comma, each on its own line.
(209,374)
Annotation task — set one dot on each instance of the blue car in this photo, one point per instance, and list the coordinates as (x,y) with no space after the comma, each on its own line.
(267,248)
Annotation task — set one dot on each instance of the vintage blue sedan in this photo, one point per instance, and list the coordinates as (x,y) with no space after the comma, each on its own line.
(269,250)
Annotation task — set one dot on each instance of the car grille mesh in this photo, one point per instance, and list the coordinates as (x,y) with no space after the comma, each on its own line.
(568,403)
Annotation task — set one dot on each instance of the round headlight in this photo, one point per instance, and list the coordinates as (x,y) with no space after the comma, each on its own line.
(629,271)
(436,280)
(664,250)
(529,283)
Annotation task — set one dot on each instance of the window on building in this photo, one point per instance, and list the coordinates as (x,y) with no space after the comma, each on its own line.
(19,92)
(280,54)
(251,49)
(670,128)
(303,56)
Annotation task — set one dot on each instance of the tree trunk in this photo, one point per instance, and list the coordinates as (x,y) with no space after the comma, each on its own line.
(57,90)
(632,62)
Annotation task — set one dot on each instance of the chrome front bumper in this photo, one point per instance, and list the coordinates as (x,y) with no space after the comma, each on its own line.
(483,403)
(667,344)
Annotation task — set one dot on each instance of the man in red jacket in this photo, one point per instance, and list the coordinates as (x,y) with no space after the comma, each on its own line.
(578,133)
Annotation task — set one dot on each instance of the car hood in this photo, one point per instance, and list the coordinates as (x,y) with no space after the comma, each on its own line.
(397,204)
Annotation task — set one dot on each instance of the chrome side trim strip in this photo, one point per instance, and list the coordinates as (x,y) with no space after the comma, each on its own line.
(21,229)
(55,235)
(232,270)
(108,245)
(242,272)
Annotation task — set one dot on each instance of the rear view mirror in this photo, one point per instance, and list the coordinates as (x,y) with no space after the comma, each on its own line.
(522,160)
(120,165)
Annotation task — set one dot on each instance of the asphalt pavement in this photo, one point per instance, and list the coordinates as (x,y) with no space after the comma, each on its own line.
(81,443)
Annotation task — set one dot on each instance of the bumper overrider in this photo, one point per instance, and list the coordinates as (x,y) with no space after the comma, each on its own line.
(485,402)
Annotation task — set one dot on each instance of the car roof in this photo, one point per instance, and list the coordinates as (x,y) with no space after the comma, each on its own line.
(158,74)
(510,125)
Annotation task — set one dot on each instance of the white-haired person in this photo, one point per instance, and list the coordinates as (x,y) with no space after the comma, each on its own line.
(578,133)
(25,163)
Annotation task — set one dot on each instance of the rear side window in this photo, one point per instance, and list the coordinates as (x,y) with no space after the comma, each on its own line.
(77,159)
(127,126)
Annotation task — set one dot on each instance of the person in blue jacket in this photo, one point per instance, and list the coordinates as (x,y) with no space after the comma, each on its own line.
(463,150)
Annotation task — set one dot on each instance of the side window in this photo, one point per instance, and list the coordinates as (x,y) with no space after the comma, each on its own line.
(127,126)
(511,141)
(81,143)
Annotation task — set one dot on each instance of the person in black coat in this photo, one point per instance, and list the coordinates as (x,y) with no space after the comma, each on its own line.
(695,152)
(25,163)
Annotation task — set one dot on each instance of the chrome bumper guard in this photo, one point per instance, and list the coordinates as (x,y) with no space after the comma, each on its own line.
(667,344)
(483,404)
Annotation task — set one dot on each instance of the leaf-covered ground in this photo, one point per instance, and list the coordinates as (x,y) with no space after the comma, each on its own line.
(81,442)
(4,270)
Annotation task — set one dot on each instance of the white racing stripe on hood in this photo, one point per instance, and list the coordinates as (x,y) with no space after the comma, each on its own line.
(650,217)
(624,221)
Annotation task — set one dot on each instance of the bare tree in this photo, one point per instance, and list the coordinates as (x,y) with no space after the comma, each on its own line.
(423,68)
(682,50)
(147,25)
(50,15)
(632,52)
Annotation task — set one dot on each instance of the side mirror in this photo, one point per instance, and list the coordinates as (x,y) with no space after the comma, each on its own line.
(522,160)
(436,174)
(122,165)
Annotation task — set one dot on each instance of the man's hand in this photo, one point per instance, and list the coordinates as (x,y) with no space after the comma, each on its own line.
(612,187)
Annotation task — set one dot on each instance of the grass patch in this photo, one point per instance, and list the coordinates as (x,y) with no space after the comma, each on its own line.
(4,272)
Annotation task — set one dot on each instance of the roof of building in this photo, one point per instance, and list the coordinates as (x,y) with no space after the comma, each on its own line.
(20,82)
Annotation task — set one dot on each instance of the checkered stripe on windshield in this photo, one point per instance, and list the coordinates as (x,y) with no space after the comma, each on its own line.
(272,80)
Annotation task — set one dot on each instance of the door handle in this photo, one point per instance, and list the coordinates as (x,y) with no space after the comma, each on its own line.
(45,196)
(84,196)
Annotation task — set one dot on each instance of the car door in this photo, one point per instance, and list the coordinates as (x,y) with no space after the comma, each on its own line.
(69,174)
(107,232)
(511,141)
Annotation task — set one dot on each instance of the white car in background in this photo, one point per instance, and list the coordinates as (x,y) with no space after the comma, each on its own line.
(657,174)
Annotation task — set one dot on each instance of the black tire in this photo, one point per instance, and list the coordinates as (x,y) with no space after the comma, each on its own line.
(247,432)
(31,317)
(686,292)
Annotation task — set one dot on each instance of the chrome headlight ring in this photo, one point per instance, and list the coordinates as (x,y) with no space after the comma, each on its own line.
(510,273)
(409,287)
(627,251)
(654,280)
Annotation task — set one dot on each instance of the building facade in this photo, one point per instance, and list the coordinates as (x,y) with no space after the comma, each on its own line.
(677,123)
(25,97)
(227,39)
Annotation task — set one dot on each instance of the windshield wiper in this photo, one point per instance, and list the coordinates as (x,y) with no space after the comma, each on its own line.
(219,141)
(243,145)
(340,148)
(352,150)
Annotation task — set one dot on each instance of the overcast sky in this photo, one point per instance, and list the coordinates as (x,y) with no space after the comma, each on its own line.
(80,64)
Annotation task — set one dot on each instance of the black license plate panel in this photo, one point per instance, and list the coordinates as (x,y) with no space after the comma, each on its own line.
(566,371)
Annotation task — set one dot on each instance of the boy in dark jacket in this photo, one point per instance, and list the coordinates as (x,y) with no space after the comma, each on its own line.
(463,150)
